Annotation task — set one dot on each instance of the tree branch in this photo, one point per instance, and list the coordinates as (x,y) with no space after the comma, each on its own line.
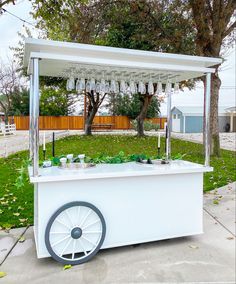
(6,2)
(229,30)
(101,100)
(210,8)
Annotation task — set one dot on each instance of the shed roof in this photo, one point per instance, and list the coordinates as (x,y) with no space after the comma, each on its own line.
(58,59)
(197,110)
(231,109)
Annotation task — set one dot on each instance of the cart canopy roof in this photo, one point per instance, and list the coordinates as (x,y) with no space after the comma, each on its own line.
(65,59)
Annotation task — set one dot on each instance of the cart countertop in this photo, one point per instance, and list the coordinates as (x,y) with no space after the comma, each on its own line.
(53,174)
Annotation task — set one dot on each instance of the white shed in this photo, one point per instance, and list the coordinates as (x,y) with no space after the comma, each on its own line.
(189,119)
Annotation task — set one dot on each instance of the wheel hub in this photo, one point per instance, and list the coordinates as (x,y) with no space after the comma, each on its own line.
(76,233)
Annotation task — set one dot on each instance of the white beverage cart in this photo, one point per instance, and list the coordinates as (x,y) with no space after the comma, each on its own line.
(78,212)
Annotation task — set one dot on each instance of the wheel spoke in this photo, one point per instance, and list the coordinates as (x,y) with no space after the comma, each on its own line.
(92,243)
(75,232)
(78,214)
(58,242)
(60,222)
(59,232)
(84,250)
(93,223)
(73,252)
(65,247)
(85,218)
(92,232)
(68,216)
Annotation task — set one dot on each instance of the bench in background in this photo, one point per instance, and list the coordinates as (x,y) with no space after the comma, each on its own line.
(101,126)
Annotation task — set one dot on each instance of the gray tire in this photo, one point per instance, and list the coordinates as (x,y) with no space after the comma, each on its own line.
(75,233)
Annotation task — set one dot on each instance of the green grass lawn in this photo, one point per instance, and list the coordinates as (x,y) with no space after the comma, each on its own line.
(16,205)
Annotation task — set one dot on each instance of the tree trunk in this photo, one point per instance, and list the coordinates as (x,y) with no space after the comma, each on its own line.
(142,115)
(214,119)
(95,100)
(89,120)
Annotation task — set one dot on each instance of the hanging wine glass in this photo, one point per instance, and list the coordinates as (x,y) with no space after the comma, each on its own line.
(107,87)
(176,86)
(122,86)
(159,88)
(117,87)
(132,86)
(92,84)
(150,87)
(81,87)
(98,87)
(113,86)
(77,85)
(127,89)
(103,86)
(67,84)
(70,84)
(168,87)
(88,86)
(141,88)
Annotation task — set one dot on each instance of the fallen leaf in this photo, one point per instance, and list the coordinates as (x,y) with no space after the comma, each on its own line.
(2,274)
(23,220)
(230,238)
(21,239)
(193,247)
(20,208)
(16,214)
(215,202)
(67,266)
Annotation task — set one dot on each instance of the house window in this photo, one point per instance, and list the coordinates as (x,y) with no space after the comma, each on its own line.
(178,116)
(174,116)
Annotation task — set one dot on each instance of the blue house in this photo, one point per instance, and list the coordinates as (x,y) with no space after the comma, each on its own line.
(188,119)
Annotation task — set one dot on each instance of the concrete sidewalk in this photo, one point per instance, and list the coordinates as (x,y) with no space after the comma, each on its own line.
(207,258)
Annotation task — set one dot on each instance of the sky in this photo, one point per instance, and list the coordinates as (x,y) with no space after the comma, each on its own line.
(9,26)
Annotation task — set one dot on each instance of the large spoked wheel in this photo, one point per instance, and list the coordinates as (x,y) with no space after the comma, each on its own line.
(75,233)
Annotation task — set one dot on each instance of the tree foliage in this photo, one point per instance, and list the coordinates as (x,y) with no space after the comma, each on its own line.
(56,101)
(20,103)
(203,27)
(130,106)
(10,86)
(214,23)
(3,3)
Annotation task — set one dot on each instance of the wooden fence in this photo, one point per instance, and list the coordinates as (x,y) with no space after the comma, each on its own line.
(77,122)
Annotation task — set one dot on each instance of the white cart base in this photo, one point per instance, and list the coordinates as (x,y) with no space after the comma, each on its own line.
(139,203)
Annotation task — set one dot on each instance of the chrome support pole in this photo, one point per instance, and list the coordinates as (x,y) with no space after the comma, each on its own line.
(30,118)
(169,120)
(207,119)
(35,116)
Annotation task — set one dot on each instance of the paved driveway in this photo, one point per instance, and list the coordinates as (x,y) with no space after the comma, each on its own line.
(11,144)
(206,258)
(227,140)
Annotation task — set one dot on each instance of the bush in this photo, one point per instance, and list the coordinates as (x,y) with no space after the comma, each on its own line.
(148,125)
